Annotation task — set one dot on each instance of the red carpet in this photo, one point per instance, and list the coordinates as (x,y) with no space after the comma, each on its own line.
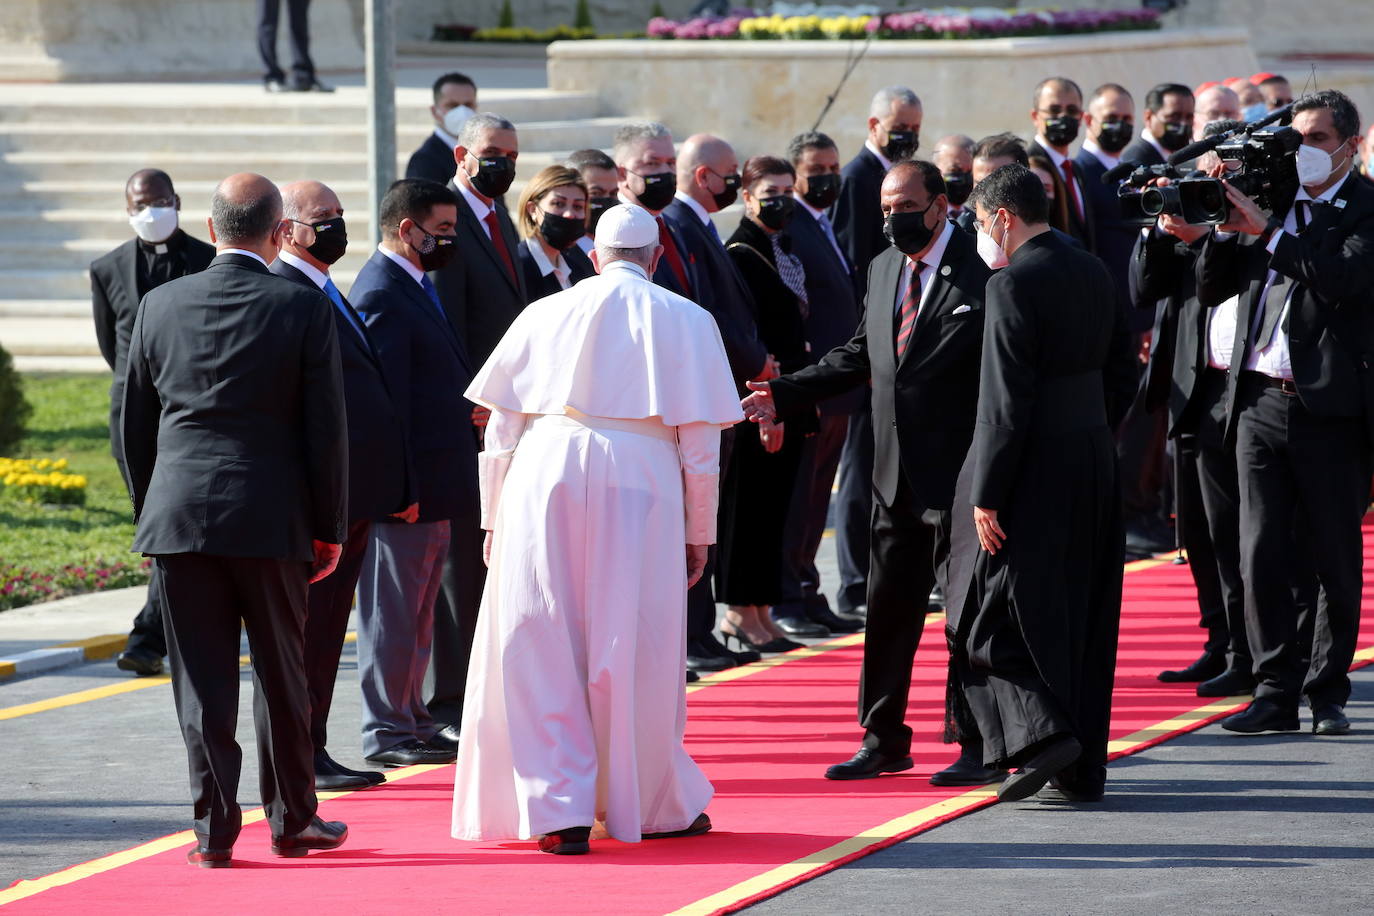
(764,738)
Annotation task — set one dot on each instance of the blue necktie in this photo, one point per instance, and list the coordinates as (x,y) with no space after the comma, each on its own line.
(336,297)
(830,234)
(715,234)
(433,296)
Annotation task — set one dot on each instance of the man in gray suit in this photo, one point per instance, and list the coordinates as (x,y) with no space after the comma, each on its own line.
(236,449)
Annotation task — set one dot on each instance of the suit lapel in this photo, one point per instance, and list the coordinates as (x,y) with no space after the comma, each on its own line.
(128,273)
(469,221)
(881,333)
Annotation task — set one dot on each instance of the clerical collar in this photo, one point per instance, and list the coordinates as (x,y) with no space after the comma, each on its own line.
(159,248)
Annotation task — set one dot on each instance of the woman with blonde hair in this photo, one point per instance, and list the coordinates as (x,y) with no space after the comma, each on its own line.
(552,216)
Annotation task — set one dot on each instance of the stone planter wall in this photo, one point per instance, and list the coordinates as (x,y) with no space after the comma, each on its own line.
(757,94)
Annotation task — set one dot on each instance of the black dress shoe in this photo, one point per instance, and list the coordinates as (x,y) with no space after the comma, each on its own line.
(326,764)
(206,857)
(857,613)
(310,85)
(1076,793)
(936,602)
(408,753)
(701,825)
(1208,666)
(275,86)
(692,676)
(867,764)
(1037,771)
(143,662)
(330,781)
(968,770)
(703,657)
(832,621)
(1262,716)
(445,739)
(321,834)
(570,841)
(800,626)
(1230,683)
(1329,719)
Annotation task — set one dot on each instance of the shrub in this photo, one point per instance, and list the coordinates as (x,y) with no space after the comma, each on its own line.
(507,18)
(14,409)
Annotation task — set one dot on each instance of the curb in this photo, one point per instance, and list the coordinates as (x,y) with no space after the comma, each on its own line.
(63,655)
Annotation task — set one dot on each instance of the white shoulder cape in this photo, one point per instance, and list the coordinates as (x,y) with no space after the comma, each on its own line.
(614,345)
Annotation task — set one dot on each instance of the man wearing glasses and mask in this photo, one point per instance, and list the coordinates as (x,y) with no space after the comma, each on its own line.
(1057,115)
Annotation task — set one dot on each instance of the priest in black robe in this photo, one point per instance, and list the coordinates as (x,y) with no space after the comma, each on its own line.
(1038,628)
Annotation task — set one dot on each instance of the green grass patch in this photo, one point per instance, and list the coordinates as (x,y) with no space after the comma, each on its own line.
(49,551)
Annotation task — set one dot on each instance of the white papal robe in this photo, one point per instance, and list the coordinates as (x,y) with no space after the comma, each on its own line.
(600,465)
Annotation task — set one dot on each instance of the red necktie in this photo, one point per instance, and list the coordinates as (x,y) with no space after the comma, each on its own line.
(498,242)
(911,307)
(665,238)
(1067,167)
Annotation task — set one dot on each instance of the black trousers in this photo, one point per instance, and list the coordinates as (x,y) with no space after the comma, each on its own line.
(455,620)
(908,544)
(854,510)
(204,599)
(1140,445)
(1310,475)
(329,602)
(148,633)
(806,516)
(298,20)
(701,598)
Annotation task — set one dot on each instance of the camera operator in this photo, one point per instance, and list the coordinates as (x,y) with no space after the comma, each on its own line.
(1295,400)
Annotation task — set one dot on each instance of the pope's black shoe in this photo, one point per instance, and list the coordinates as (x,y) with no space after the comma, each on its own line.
(800,626)
(206,857)
(1262,716)
(321,834)
(867,764)
(143,662)
(570,841)
(1208,666)
(1230,683)
(1037,771)
(701,825)
(968,770)
(1329,719)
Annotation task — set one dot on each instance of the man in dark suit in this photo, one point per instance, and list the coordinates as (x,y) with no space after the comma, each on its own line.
(1057,114)
(1168,125)
(455,100)
(1297,408)
(235,445)
(894,133)
(646,166)
(427,371)
(707,181)
(120,279)
(302,78)
(482,289)
(379,483)
(830,322)
(919,346)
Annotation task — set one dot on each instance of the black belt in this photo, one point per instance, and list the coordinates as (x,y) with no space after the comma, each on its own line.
(1285,385)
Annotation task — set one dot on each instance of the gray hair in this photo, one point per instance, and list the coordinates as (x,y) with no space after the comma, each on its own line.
(809,139)
(883,99)
(605,254)
(479,124)
(634,132)
(245,222)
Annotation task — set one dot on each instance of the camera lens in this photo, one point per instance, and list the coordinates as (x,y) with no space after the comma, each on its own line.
(1155,201)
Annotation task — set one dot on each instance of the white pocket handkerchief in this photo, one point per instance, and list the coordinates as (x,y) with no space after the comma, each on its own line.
(962,309)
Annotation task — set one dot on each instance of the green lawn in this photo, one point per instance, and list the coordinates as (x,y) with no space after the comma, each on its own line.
(70,420)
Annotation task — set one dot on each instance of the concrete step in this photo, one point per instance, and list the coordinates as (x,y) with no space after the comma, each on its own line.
(111,224)
(246,137)
(92,365)
(49,336)
(45,308)
(32,197)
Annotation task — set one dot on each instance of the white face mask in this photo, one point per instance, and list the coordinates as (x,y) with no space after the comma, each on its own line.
(455,118)
(154,224)
(1314,165)
(990,251)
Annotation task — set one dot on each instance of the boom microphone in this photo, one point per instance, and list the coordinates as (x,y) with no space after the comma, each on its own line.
(1193,150)
(1119,171)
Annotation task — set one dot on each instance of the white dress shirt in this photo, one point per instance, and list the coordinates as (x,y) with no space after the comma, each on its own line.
(887,163)
(416,273)
(480,208)
(305,267)
(1221,333)
(931,259)
(1274,360)
(1109,160)
(824,222)
(695,207)
(1150,139)
(1058,158)
(449,140)
(250,254)
(558,268)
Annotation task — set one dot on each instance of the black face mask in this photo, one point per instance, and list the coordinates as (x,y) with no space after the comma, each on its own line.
(908,231)
(494,176)
(776,212)
(561,231)
(1114,136)
(958,186)
(821,190)
(595,207)
(331,240)
(901,144)
(1176,136)
(730,194)
(436,251)
(658,190)
(1060,131)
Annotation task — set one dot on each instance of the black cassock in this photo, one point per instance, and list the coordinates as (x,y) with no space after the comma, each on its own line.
(1036,624)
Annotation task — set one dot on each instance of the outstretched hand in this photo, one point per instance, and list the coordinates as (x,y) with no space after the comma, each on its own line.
(696,563)
(759,406)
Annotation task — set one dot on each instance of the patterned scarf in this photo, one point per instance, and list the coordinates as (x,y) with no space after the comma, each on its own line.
(792,273)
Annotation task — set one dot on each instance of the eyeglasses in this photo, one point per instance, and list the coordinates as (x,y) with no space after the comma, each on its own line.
(309,230)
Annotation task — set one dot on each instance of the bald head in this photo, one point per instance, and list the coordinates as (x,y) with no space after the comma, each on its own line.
(245,211)
(953,153)
(708,171)
(1214,104)
(311,203)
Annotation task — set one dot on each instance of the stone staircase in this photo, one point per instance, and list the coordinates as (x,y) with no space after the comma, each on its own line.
(67,149)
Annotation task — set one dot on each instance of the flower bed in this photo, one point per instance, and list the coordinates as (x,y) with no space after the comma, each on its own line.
(918,25)
(41,481)
(20,586)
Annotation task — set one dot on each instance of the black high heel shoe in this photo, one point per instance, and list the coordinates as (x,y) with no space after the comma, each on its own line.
(778,644)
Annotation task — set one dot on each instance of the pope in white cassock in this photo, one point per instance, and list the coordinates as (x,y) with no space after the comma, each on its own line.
(599,490)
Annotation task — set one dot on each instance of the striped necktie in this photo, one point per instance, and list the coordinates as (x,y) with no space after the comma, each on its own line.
(911,307)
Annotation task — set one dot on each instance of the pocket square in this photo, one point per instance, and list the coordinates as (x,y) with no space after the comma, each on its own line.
(962,309)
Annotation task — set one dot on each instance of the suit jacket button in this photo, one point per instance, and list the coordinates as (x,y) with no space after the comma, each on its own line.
(894,424)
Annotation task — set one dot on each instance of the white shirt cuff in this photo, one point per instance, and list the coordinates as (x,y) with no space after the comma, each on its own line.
(1274,241)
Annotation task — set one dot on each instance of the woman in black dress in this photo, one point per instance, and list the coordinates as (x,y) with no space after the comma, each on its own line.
(758,480)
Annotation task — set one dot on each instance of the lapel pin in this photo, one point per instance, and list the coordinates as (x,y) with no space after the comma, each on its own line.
(944,271)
